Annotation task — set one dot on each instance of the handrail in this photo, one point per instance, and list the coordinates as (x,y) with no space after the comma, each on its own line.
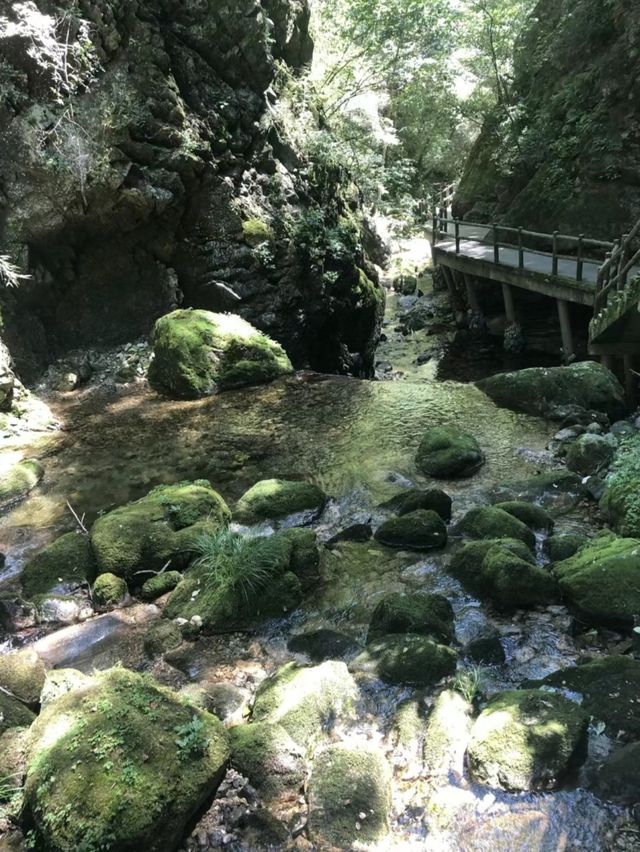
(614,273)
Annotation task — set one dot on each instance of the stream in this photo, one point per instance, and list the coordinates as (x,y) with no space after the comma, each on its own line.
(357,440)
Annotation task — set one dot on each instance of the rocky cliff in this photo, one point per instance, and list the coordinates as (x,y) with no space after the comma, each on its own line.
(568,155)
(141,168)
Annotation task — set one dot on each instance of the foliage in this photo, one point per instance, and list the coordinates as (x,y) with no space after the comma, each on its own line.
(191,738)
(469,683)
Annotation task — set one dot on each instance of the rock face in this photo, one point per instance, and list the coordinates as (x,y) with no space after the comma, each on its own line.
(196,353)
(447,452)
(542,390)
(140,761)
(190,193)
(526,740)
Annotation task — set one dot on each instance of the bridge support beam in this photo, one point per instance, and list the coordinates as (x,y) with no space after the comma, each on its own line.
(509,304)
(565,330)
(630,380)
(472,295)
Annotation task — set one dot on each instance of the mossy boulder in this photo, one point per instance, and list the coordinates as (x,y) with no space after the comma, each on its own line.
(65,564)
(108,590)
(534,516)
(527,740)
(408,659)
(159,585)
(271,499)
(618,778)
(419,530)
(324,644)
(601,582)
(415,612)
(22,673)
(590,454)
(19,480)
(141,762)
(349,796)
(430,499)
(540,390)
(621,498)
(491,522)
(504,571)
(13,713)
(160,637)
(196,353)
(609,686)
(243,579)
(448,726)
(267,755)
(446,452)
(160,528)
(306,701)
(563,545)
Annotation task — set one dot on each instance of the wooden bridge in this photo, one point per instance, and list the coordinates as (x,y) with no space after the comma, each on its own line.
(570,269)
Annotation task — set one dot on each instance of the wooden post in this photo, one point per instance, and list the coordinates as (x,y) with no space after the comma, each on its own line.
(457,226)
(579,262)
(509,304)
(615,262)
(623,259)
(554,263)
(630,381)
(496,245)
(565,330)
(451,286)
(435,226)
(472,295)
(445,218)
(520,250)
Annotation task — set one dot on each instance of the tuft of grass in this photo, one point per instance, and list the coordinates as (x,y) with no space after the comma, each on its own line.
(469,683)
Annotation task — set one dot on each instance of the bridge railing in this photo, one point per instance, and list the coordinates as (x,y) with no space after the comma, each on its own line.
(613,275)
(444,226)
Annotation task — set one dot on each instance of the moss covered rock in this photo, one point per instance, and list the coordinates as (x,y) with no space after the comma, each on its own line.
(19,480)
(419,530)
(108,590)
(527,740)
(141,763)
(601,582)
(540,390)
(621,498)
(564,545)
(160,637)
(492,523)
(407,659)
(196,353)
(416,612)
(159,585)
(161,528)
(62,565)
(349,796)
(446,452)
(13,713)
(590,454)
(504,571)
(535,517)
(324,644)
(22,673)
(618,778)
(271,499)
(306,701)
(272,761)
(446,730)
(59,682)
(430,499)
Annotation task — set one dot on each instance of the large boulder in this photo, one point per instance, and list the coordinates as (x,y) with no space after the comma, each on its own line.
(590,454)
(621,498)
(492,522)
(527,740)
(430,499)
(140,761)
(271,499)
(419,530)
(349,796)
(160,528)
(542,390)
(196,353)
(534,516)
(446,452)
(407,658)
(601,582)
(60,567)
(267,755)
(415,612)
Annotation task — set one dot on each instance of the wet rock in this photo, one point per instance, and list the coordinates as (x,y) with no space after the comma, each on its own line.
(555,488)
(277,498)
(19,480)
(158,529)
(109,590)
(424,358)
(407,659)
(486,648)
(159,585)
(527,740)
(22,673)
(535,517)
(271,760)
(601,582)
(356,532)
(431,499)
(61,566)
(17,614)
(563,545)
(224,699)
(306,701)
(62,609)
(323,645)
(415,612)
(419,530)
(349,796)
(160,637)
(446,452)
(618,778)
(590,454)
(622,429)
(13,713)
(540,390)
(419,315)
(491,522)
(196,353)
(447,730)
(173,753)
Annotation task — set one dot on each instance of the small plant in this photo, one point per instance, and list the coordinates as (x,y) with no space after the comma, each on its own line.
(191,739)
(469,683)
(8,787)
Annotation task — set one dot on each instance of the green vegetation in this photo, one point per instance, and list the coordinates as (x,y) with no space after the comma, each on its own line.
(21,478)
(108,590)
(68,561)
(155,587)
(621,499)
(269,757)
(469,683)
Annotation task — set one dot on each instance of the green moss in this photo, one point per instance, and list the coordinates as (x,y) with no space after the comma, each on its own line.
(349,796)
(256,231)
(564,545)
(447,452)
(407,659)
(68,561)
(108,590)
(590,454)
(159,585)
(493,523)
(197,352)
(22,674)
(527,740)
(306,702)
(271,760)
(160,637)
(21,478)
(535,517)
(419,530)
(431,499)
(448,724)
(417,612)
(278,498)
(156,530)
(621,499)
(13,713)
(304,560)
(115,745)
